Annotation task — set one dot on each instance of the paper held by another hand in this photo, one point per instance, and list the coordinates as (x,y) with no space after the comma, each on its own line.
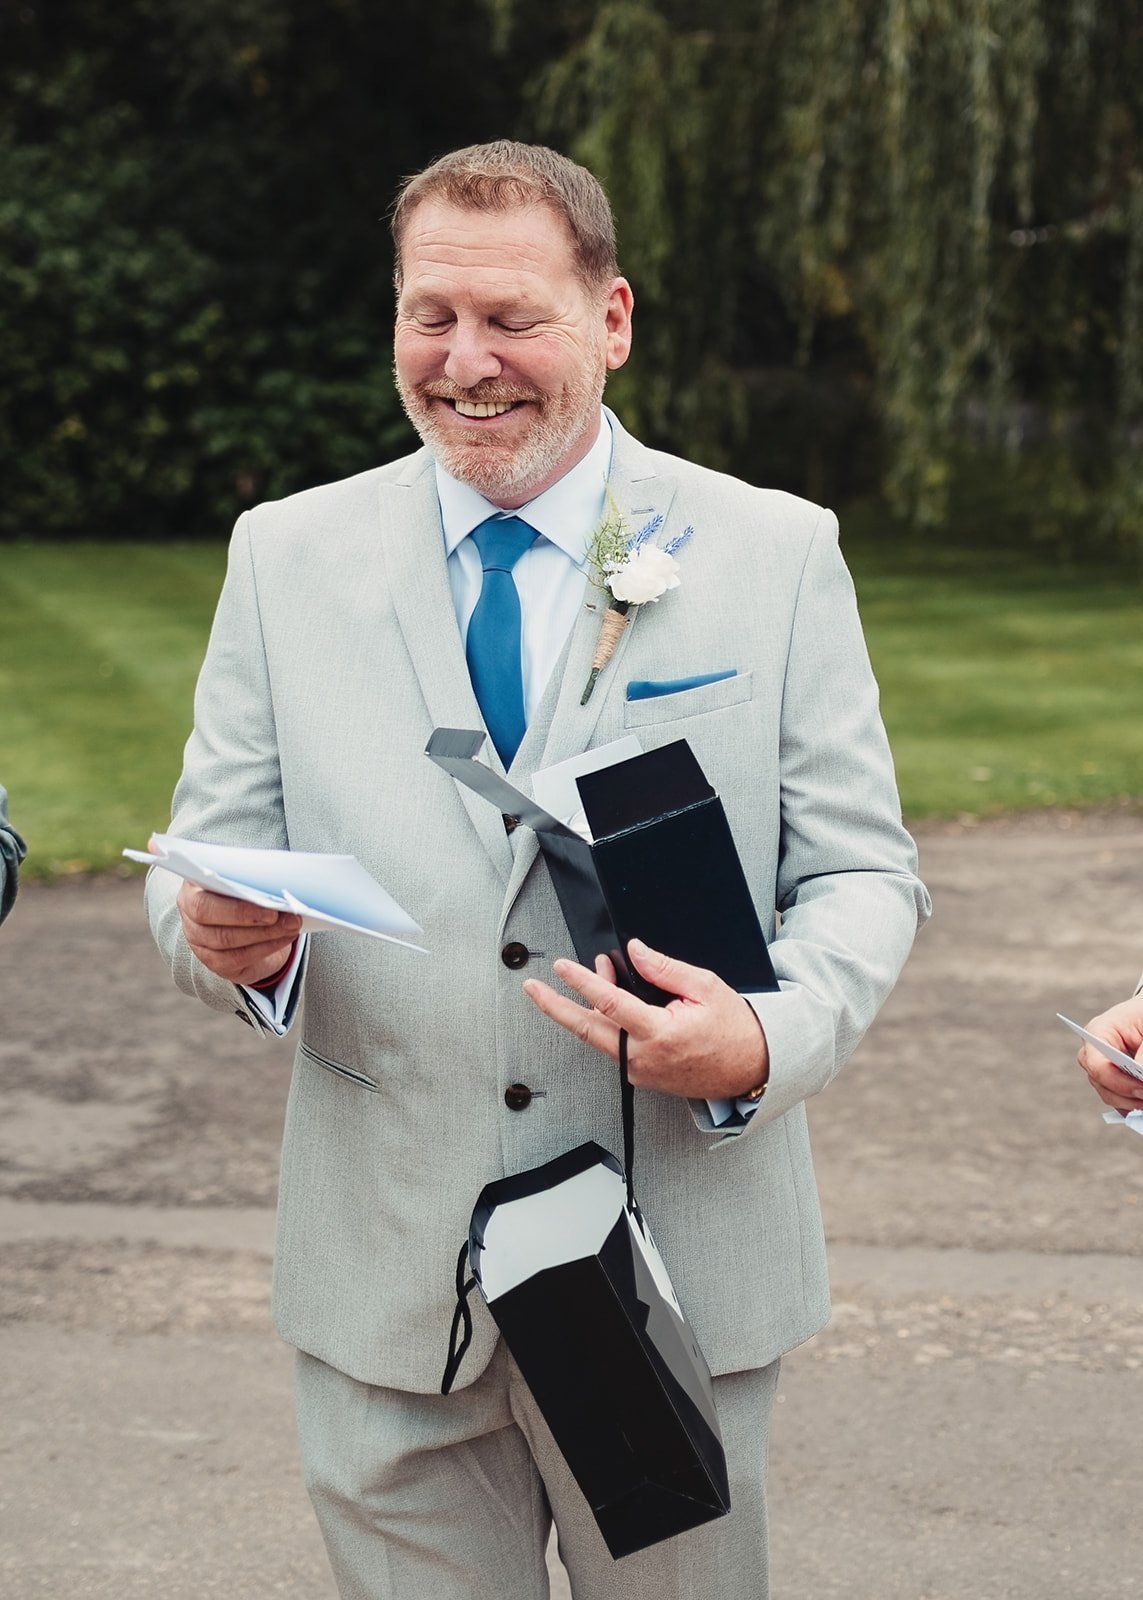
(1125,1062)
(328,892)
(1132,1119)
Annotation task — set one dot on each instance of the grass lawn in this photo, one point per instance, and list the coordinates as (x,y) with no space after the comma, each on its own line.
(1006,683)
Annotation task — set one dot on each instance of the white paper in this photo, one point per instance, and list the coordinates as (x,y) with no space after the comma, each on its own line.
(1132,1119)
(328,892)
(1126,1062)
(554,787)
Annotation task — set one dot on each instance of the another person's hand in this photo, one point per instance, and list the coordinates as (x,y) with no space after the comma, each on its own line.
(1122,1027)
(707,1044)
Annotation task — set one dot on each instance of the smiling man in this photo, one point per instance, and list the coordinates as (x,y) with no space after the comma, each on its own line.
(450,589)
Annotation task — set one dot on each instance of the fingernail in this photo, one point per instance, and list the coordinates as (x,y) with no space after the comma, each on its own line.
(637,947)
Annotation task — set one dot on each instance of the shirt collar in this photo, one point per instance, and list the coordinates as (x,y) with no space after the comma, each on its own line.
(566,514)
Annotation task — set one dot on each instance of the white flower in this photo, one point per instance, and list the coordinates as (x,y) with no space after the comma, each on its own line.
(646,576)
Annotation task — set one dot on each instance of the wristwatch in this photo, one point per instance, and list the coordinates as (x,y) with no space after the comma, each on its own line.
(755,1094)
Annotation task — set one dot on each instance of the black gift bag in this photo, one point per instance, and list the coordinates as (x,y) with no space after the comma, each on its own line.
(566,1264)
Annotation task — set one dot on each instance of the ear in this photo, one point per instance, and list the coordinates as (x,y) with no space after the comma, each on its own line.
(617,319)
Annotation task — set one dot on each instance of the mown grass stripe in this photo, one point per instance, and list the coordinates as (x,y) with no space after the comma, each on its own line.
(1006,683)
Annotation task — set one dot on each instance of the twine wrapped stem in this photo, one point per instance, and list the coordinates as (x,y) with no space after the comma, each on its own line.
(614,622)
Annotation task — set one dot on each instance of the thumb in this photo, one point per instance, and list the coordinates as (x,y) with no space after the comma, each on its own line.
(676,977)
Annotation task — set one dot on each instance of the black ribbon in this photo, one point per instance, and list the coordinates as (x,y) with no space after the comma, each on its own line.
(462,1315)
(628,1122)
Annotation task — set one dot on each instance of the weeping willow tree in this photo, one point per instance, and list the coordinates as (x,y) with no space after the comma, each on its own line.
(869,235)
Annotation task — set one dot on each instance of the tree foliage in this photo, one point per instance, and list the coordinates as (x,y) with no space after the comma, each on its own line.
(876,244)
(193,253)
(922,215)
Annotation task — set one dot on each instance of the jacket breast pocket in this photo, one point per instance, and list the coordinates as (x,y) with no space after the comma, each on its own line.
(338,1068)
(689,702)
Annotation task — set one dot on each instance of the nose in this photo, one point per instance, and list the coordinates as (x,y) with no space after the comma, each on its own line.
(471,357)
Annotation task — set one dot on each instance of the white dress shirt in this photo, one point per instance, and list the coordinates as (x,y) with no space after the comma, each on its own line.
(550,576)
(550,579)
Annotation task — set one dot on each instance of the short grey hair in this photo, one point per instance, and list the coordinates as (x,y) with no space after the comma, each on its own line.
(505,174)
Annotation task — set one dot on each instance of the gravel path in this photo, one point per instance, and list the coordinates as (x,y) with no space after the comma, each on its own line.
(967,1426)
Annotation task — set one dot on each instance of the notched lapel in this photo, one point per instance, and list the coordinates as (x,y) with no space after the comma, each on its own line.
(414,553)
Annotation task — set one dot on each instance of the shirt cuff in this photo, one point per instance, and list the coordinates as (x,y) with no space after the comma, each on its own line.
(724,1111)
(277,1006)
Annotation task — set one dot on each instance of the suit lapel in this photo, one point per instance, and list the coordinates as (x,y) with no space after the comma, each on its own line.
(415,561)
(641,491)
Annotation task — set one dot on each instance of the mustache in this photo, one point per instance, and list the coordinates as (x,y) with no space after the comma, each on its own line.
(489,393)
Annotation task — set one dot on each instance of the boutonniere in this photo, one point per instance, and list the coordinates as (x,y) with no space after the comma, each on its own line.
(631,569)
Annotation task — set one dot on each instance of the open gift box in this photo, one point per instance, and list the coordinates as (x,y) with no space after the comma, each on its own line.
(659,862)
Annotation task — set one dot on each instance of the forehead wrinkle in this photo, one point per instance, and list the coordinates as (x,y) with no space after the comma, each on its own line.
(526,239)
(496,288)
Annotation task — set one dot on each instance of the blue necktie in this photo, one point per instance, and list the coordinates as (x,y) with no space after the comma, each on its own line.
(493,647)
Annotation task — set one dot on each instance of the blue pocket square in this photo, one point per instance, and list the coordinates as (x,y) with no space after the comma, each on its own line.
(652,688)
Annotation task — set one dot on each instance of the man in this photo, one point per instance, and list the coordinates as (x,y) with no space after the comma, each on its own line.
(12,852)
(1121,1026)
(441,590)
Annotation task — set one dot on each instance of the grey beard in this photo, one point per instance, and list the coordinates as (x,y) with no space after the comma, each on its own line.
(493,472)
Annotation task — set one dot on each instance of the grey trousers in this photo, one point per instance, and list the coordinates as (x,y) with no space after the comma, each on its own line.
(424,1497)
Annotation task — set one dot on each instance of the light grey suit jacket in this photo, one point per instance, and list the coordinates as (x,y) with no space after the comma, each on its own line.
(334,653)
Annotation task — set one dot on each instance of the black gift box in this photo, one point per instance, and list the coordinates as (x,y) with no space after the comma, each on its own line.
(603,1346)
(662,866)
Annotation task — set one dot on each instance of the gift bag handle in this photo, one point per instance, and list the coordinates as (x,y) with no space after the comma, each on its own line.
(628,1092)
(461,1316)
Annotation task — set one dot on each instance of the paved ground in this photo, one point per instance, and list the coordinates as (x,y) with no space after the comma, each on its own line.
(969,1425)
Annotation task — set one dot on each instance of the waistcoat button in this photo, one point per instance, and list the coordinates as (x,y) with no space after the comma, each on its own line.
(517,1097)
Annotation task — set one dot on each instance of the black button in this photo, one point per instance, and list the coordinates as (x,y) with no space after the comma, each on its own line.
(517,1097)
(510,823)
(515,954)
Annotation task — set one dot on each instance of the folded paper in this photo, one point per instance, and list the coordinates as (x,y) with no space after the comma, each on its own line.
(1118,1057)
(328,892)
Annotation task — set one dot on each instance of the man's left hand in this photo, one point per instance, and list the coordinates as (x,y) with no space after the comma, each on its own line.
(706,1044)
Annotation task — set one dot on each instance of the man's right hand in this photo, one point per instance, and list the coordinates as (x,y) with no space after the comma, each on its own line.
(1122,1027)
(239,941)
